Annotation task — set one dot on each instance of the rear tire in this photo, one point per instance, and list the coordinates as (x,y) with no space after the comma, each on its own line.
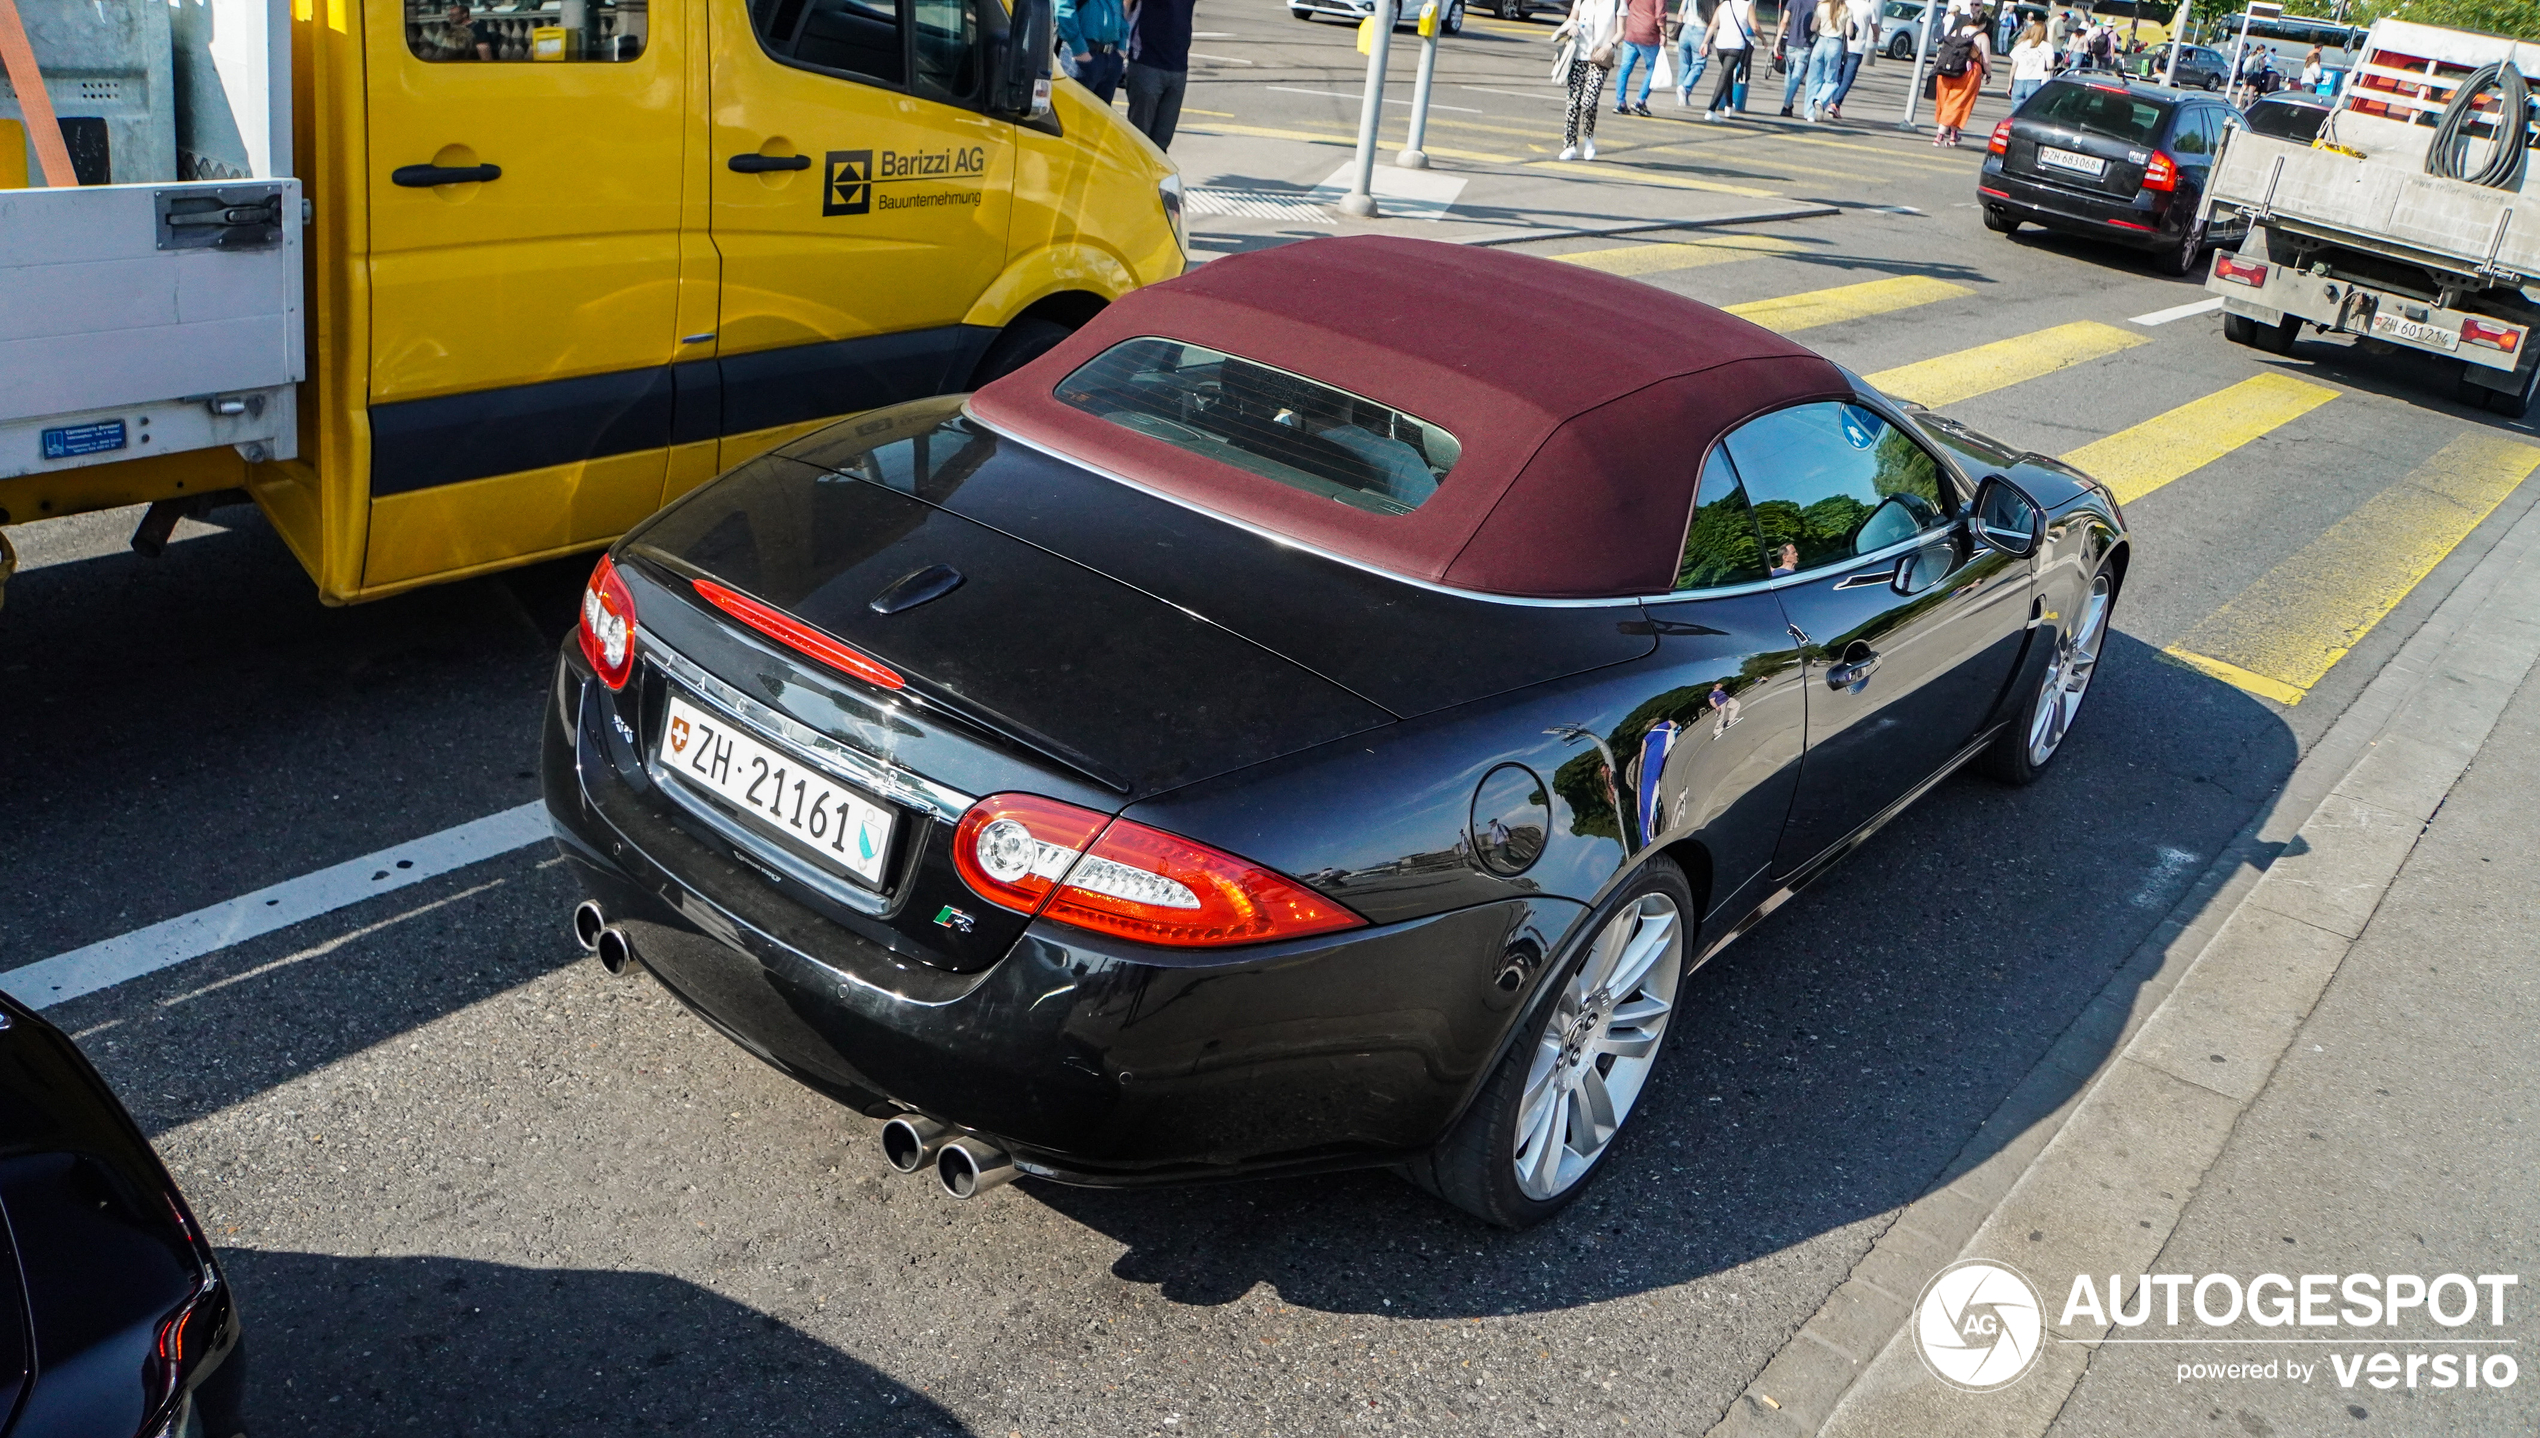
(1597,1009)
(2514,403)
(2000,222)
(2183,256)
(1900,48)
(1453,24)
(1022,342)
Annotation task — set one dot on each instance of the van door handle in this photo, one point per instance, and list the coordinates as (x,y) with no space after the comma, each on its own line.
(424,177)
(761,164)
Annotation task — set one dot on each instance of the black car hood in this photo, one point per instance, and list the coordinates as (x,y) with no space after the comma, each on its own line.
(1407,648)
(1072,665)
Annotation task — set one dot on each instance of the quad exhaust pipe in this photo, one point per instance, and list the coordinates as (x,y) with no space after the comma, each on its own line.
(965,1166)
(593,931)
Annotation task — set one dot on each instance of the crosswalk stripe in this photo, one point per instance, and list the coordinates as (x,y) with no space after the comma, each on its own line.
(2139,459)
(1680,254)
(2283,634)
(1334,137)
(1748,159)
(1947,379)
(1846,302)
(1651,177)
(1884,152)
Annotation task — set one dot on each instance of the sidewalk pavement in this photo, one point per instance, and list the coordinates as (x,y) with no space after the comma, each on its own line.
(2321,1065)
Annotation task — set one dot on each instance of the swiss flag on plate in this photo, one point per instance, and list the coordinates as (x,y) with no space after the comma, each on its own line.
(678,736)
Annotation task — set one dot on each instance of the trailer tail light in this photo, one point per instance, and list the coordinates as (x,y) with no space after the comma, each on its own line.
(2231,267)
(2001,141)
(785,629)
(608,625)
(1119,877)
(2491,335)
(2161,174)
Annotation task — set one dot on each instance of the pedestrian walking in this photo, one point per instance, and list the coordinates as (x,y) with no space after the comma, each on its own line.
(1588,39)
(2031,63)
(1958,70)
(1159,67)
(1692,55)
(2313,68)
(1731,39)
(1825,57)
(1090,36)
(1791,45)
(1637,54)
(1860,38)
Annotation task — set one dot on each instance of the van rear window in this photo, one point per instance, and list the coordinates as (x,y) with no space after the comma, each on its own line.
(2098,110)
(1282,426)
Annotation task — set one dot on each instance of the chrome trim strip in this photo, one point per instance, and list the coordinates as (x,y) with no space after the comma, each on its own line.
(879,775)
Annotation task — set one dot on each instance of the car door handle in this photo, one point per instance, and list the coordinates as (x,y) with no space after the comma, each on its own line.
(761,164)
(424,177)
(1851,672)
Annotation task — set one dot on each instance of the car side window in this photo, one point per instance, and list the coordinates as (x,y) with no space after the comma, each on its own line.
(861,39)
(2192,138)
(600,30)
(1721,543)
(1829,481)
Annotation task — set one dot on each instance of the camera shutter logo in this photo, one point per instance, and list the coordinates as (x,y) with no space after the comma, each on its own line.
(848,189)
(1978,1325)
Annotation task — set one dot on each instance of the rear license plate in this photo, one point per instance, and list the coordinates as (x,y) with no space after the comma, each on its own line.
(2090,165)
(810,812)
(2415,333)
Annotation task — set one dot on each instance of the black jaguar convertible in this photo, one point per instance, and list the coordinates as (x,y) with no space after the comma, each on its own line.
(1294,725)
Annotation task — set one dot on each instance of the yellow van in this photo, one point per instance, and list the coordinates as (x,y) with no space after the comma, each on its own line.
(560,260)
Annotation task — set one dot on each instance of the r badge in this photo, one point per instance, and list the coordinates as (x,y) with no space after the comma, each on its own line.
(848,188)
(954,919)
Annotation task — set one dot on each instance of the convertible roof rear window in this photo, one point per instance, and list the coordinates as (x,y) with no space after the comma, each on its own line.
(1270,422)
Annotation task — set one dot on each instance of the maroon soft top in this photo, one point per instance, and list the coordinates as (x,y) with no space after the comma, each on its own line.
(1584,404)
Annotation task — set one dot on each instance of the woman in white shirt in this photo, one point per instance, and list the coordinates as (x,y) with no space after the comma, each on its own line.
(1732,39)
(1593,30)
(2032,61)
(1860,36)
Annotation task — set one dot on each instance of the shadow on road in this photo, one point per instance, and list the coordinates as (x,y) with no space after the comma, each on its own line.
(341,1347)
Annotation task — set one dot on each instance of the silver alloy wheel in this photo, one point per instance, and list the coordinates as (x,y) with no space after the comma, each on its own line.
(2068,677)
(1597,1051)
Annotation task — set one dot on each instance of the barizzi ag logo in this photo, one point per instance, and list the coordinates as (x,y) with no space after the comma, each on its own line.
(1978,1325)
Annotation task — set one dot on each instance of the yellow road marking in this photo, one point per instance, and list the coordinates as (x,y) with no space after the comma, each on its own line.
(1846,302)
(1775,165)
(1335,137)
(2237,677)
(1220,114)
(2136,461)
(1651,259)
(1883,152)
(1539,132)
(2291,627)
(1949,378)
(1651,177)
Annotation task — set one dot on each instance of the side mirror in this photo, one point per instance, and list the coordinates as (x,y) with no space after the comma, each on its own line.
(2006,518)
(1019,44)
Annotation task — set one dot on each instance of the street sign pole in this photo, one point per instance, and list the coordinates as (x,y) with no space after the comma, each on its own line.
(1361,199)
(1922,53)
(1412,156)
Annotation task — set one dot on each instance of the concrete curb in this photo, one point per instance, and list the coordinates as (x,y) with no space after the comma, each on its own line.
(2088,1164)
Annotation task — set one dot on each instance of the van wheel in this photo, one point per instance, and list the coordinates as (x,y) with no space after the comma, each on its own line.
(1022,342)
(1547,1118)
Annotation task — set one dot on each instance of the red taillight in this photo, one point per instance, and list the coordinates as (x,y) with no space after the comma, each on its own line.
(2001,138)
(2228,266)
(785,629)
(1039,856)
(608,625)
(2492,336)
(2161,174)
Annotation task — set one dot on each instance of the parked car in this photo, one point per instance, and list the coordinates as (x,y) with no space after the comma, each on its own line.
(115,1319)
(2116,159)
(1901,24)
(2294,115)
(1406,12)
(2199,67)
(1288,728)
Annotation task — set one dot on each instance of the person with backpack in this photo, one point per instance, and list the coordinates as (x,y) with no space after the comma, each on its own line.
(1958,67)
(1731,36)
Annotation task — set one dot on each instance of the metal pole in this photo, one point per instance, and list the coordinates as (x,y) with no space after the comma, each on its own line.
(1361,199)
(2178,42)
(1922,52)
(2231,82)
(1412,156)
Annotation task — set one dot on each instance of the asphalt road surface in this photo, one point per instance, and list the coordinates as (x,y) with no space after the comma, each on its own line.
(468,1183)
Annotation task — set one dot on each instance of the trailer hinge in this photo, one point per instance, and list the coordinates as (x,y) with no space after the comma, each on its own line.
(2496,243)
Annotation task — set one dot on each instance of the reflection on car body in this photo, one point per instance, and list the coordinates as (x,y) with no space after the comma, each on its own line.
(1310,804)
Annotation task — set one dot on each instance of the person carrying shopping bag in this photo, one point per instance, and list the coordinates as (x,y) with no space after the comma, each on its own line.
(1692,56)
(1588,39)
(1638,52)
(1958,68)
(1731,39)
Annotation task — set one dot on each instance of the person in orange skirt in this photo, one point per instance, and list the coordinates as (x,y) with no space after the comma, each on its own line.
(1959,67)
